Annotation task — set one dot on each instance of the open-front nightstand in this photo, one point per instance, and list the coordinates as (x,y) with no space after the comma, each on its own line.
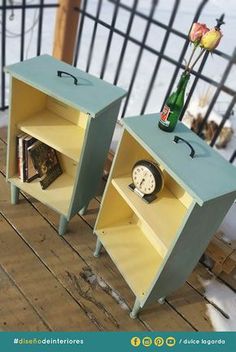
(156,246)
(72,112)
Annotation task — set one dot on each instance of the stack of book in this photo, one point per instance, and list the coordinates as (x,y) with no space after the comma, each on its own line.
(26,170)
(36,160)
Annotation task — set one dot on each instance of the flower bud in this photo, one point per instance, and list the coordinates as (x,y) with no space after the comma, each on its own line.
(197,31)
(211,39)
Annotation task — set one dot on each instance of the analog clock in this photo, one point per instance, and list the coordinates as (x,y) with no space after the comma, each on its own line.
(147,179)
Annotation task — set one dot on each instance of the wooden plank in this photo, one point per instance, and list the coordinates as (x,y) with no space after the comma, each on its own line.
(230,279)
(200,272)
(65,30)
(228,239)
(219,252)
(51,301)
(200,279)
(67,266)
(230,262)
(192,306)
(16,313)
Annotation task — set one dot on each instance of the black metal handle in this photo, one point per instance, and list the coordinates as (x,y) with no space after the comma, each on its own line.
(177,139)
(60,73)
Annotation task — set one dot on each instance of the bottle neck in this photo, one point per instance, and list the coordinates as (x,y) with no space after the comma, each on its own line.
(183,82)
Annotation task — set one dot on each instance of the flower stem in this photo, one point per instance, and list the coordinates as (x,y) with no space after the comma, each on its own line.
(199,56)
(190,59)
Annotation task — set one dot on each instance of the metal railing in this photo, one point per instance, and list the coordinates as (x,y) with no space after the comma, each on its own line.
(8,8)
(160,55)
(11,9)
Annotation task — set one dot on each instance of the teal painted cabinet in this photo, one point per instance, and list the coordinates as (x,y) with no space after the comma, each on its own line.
(156,246)
(71,111)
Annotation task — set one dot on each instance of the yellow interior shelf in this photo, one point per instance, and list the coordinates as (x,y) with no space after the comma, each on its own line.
(55,131)
(133,254)
(161,218)
(57,195)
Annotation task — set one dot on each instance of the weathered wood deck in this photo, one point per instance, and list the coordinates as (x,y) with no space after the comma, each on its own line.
(52,283)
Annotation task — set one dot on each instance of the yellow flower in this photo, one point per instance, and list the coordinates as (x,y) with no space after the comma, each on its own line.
(211,39)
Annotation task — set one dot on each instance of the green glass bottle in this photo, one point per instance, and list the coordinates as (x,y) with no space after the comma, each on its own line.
(174,105)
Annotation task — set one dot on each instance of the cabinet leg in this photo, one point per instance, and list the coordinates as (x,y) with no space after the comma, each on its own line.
(135,310)
(62,225)
(15,192)
(83,210)
(98,248)
(161,300)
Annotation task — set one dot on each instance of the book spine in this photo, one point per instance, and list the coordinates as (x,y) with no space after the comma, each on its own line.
(31,173)
(18,154)
(25,163)
(20,158)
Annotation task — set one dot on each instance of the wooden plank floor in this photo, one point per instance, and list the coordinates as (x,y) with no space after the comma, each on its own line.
(50,283)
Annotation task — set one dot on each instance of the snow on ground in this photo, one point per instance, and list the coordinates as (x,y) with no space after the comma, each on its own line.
(224,298)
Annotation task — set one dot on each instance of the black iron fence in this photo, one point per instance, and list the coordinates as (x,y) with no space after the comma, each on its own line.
(13,10)
(160,55)
(92,19)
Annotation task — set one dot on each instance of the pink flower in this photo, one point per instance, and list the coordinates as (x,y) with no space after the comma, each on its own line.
(197,31)
(211,39)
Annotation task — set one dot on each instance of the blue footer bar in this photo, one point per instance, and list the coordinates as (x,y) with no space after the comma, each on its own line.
(117,341)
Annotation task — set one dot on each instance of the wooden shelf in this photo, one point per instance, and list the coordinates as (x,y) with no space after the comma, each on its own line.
(57,195)
(56,132)
(132,253)
(162,218)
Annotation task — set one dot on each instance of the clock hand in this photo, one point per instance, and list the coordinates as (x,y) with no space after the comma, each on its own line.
(143,179)
(141,182)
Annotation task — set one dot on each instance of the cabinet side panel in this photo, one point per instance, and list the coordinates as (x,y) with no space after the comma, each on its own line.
(195,235)
(97,142)
(25,101)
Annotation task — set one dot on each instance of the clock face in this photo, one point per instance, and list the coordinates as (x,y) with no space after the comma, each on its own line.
(144,179)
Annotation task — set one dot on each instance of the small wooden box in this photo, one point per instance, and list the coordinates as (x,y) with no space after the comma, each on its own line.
(156,246)
(77,120)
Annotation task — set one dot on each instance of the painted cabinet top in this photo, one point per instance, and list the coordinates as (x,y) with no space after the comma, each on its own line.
(205,177)
(91,95)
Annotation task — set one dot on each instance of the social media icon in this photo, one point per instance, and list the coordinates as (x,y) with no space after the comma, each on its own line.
(159,341)
(170,341)
(147,341)
(135,341)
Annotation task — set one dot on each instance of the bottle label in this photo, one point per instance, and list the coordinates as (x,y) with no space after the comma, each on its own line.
(164,116)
